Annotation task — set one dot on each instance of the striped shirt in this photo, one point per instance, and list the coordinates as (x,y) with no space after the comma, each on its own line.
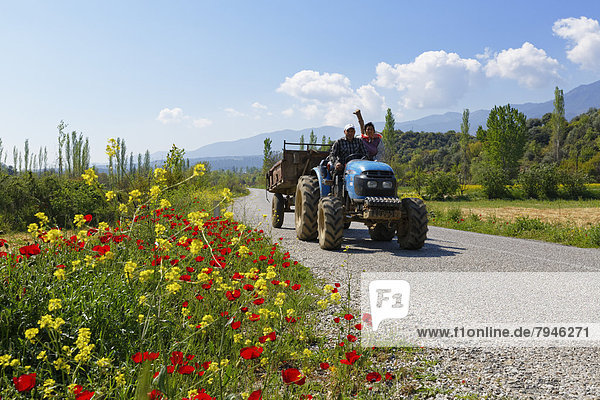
(342,148)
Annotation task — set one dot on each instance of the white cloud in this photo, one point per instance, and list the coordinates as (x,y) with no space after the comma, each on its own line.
(583,35)
(527,65)
(176,116)
(234,113)
(433,79)
(170,116)
(288,112)
(486,55)
(201,122)
(259,106)
(330,96)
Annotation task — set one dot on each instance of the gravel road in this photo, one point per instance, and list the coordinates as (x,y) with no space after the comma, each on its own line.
(520,373)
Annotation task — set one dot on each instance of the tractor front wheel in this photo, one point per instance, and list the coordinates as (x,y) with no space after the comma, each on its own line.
(277,207)
(413,233)
(331,223)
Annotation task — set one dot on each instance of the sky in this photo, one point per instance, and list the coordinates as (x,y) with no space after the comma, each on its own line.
(192,73)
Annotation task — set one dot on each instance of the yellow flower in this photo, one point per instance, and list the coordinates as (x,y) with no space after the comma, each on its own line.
(58,322)
(228,215)
(5,360)
(307,352)
(226,193)
(102,226)
(159,229)
(122,208)
(33,228)
(42,356)
(224,362)
(140,318)
(60,274)
(112,147)
(264,361)
(61,364)
(192,393)
(83,338)
(199,170)
(110,195)
(154,192)
(213,367)
(103,362)
(46,320)
(53,235)
(134,195)
(120,379)
(89,176)
(42,217)
(290,312)
(145,275)
(79,220)
(54,304)
(208,319)
(160,175)
(336,297)
(164,203)
(237,337)
(173,287)
(243,250)
(31,333)
(129,268)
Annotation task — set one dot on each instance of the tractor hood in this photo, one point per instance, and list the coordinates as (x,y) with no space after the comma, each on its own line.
(360,166)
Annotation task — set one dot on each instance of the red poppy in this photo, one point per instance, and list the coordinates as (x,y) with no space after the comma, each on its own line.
(185,278)
(206,364)
(324,365)
(271,336)
(88,217)
(296,286)
(176,358)
(351,338)
(137,357)
(337,285)
(258,301)
(336,320)
(373,377)
(155,395)
(185,369)
(85,395)
(235,325)
(25,382)
(249,353)
(358,326)
(351,358)
(256,395)
(292,375)
(348,317)
(388,376)
(291,320)
(151,356)
(254,317)
(30,250)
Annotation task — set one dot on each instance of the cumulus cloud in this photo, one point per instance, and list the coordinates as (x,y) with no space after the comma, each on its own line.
(234,113)
(288,112)
(259,106)
(433,79)
(331,96)
(583,35)
(170,115)
(527,65)
(176,116)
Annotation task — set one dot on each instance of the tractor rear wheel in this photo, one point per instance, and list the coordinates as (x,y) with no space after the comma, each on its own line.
(347,224)
(412,235)
(382,232)
(331,223)
(277,207)
(306,204)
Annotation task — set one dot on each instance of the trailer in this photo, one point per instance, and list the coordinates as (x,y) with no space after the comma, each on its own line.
(282,178)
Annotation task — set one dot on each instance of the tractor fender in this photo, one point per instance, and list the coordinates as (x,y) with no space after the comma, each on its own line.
(323,188)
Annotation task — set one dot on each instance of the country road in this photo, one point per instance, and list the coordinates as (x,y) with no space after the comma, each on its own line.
(514,372)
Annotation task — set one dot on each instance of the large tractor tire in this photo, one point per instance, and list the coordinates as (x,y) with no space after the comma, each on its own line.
(413,234)
(277,207)
(306,204)
(381,232)
(347,224)
(331,223)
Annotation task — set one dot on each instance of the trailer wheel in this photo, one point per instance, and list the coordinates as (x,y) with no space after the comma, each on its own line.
(277,207)
(331,223)
(381,232)
(412,235)
(306,204)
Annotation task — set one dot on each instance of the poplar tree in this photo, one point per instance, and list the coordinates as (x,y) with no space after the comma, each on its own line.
(312,140)
(558,122)
(389,136)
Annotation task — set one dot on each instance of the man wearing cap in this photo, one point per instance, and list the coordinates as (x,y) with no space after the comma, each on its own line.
(345,146)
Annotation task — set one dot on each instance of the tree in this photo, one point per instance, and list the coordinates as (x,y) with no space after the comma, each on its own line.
(505,138)
(558,123)
(26,155)
(147,165)
(302,142)
(1,150)
(389,136)
(323,141)
(312,140)
(267,155)
(464,146)
(61,140)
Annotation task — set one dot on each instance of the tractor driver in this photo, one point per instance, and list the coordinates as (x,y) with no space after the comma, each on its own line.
(345,146)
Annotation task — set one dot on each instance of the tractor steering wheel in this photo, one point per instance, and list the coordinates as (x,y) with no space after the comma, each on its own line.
(356,156)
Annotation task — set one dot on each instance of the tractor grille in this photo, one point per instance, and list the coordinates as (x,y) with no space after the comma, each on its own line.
(378,174)
(383,202)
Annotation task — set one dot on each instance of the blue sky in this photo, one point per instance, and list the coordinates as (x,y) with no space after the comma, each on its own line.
(197,72)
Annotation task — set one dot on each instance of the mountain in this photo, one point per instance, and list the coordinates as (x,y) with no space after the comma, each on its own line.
(577,101)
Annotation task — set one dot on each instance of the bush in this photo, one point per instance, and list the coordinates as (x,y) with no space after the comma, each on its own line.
(442,184)
(594,235)
(493,181)
(540,182)
(574,184)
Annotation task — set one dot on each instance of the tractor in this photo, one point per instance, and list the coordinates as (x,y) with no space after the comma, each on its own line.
(325,202)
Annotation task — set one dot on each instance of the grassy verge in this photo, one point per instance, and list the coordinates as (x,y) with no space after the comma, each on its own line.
(171,303)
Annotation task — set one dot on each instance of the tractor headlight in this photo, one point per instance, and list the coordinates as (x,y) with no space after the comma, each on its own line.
(371,184)
(387,184)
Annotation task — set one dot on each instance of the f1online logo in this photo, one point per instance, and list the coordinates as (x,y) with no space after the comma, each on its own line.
(388,299)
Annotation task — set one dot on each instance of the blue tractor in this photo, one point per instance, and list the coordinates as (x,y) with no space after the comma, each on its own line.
(327,203)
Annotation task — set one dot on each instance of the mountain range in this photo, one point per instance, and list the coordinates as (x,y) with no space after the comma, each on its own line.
(245,152)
